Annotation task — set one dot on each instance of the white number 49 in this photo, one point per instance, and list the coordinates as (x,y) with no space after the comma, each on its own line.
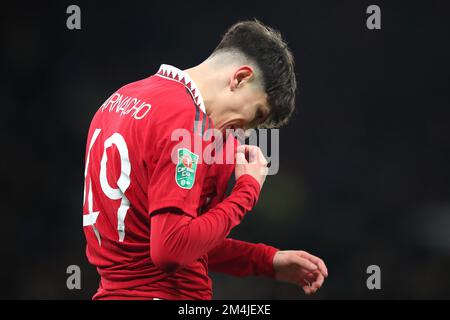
(123,183)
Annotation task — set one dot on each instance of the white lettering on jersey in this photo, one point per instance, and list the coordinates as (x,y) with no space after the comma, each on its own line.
(124,105)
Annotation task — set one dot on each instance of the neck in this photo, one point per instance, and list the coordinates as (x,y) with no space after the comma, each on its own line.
(206,80)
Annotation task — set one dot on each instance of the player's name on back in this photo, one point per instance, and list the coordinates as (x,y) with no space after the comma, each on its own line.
(124,105)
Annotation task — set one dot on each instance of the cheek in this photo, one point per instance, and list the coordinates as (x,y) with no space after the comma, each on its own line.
(249,106)
(244,106)
(246,112)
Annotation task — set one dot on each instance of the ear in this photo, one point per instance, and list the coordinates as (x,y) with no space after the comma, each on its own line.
(240,76)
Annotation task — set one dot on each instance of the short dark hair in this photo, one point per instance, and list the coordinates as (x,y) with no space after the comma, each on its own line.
(266,47)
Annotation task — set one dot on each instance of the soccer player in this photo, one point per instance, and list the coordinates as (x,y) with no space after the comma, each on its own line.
(155,215)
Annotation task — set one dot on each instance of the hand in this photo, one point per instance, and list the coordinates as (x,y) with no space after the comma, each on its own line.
(301,268)
(256,165)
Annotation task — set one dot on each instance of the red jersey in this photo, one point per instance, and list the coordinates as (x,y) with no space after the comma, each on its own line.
(153,215)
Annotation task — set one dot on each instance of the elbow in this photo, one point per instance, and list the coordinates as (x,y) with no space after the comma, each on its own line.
(165,261)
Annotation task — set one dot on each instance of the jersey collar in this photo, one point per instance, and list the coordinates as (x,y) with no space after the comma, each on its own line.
(172,73)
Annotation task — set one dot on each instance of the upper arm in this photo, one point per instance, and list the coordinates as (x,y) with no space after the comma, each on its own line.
(176,171)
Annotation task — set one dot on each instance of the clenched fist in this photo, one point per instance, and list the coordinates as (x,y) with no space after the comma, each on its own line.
(250,160)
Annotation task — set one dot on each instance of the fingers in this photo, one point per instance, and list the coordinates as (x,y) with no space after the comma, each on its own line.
(250,160)
(312,271)
(259,156)
(254,153)
(242,148)
(312,282)
(317,282)
(306,287)
(240,158)
(305,263)
(319,262)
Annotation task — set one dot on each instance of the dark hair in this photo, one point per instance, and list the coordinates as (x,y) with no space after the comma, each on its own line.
(267,49)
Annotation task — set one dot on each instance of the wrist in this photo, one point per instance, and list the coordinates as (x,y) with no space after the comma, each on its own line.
(266,258)
(248,180)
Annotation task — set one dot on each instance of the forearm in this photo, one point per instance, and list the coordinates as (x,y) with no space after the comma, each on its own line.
(239,258)
(177,240)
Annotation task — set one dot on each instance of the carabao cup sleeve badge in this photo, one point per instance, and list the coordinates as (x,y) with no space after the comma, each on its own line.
(186,168)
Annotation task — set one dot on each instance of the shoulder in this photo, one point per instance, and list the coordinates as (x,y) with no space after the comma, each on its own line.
(160,92)
(175,107)
(171,100)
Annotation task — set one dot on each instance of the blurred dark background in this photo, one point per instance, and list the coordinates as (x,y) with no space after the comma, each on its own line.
(365,162)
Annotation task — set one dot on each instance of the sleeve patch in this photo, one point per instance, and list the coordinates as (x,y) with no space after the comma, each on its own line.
(186,168)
